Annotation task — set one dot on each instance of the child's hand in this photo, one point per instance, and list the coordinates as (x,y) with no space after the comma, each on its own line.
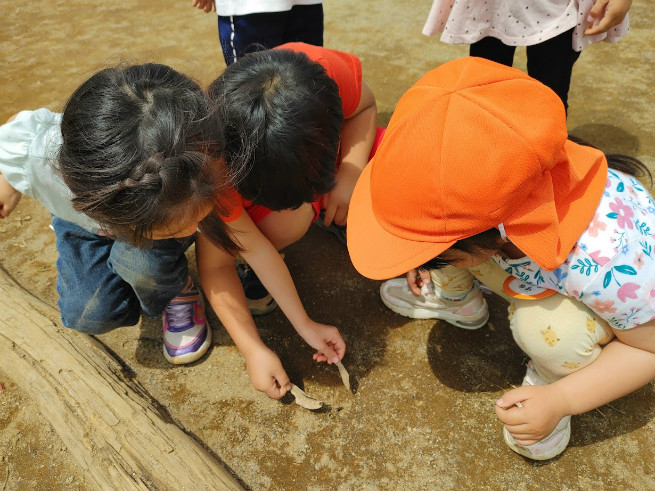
(416,278)
(606,14)
(325,339)
(266,373)
(206,5)
(542,408)
(337,201)
(9,198)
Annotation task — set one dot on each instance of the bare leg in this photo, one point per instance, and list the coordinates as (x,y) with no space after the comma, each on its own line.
(285,227)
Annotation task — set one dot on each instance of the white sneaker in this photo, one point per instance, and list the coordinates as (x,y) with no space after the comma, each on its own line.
(469,313)
(551,446)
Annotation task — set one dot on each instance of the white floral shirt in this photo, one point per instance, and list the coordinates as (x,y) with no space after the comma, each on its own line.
(612,267)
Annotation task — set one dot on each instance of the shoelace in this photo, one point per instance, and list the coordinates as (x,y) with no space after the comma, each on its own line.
(246,269)
(180,314)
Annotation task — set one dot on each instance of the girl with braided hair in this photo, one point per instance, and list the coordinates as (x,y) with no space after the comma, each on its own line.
(130,171)
(126,174)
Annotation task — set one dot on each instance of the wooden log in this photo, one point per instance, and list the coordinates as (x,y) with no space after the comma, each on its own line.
(119,436)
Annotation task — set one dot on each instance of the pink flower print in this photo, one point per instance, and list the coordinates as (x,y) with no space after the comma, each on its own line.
(602,260)
(602,306)
(639,260)
(627,290)
(632,191)
(596,226)
(623,214)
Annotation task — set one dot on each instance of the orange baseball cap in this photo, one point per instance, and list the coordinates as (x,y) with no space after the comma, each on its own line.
(471,146)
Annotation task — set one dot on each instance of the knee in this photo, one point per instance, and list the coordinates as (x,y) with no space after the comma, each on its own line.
(283,228)
(284,237)
(97,317)
(558,333)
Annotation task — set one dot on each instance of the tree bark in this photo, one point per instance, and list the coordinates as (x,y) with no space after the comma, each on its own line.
(120,437)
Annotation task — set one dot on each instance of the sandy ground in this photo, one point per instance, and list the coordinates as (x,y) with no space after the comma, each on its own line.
(422,414)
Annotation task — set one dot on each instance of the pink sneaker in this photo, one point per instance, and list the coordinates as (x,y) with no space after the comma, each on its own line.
(551,446)
(187,335)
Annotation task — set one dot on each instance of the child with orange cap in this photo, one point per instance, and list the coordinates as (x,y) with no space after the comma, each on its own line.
(476,170)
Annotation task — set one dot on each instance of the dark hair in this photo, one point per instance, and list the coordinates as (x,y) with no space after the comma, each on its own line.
(489,239)
(282,116)
(136,152)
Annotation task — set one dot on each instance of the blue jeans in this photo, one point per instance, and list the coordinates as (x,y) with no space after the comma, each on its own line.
(242,34)
(104,284)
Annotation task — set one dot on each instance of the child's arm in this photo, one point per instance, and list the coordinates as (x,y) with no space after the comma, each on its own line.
(225,293)
(357,136)
(624,365)
(265,260)
(606,14)
(9,198)
(223,289)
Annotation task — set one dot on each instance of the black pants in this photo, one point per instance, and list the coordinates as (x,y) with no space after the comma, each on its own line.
(242,34)
(550,62)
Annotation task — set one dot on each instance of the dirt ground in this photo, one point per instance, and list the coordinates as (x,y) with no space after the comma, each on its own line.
(422,415)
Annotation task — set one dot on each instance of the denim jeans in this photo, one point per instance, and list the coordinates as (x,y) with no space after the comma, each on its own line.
(104,284)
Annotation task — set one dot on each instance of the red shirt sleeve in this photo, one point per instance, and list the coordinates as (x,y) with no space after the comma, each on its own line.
(345,69)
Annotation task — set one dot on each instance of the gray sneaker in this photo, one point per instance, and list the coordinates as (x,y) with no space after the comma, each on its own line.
(471,312)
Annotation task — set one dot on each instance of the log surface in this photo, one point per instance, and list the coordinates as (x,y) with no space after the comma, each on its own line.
(120,437)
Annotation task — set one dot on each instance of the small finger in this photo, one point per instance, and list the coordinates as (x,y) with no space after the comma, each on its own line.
(598,8)
(282,380)
(329,215)
(411,282)
(341,217)
(424,274)
(603,25)
(330,355)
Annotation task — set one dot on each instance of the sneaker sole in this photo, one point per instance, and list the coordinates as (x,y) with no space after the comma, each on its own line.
(471,322)
(194,355)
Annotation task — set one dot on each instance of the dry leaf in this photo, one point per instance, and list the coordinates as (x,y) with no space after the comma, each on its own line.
(345,378)
(304,400)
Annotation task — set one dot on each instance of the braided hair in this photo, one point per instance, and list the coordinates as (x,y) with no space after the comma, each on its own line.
(136,153)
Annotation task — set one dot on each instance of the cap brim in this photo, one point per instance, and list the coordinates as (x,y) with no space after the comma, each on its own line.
(548,239)
(374,252)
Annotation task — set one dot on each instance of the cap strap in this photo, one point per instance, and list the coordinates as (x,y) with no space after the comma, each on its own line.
(501,229)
